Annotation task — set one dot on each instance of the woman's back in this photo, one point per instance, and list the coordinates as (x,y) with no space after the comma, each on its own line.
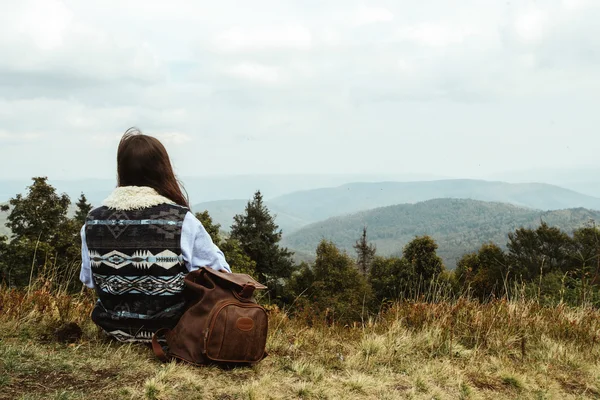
(137,248)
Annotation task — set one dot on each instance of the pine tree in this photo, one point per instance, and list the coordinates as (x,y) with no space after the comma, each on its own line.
(542,250)
(421,255)
(390,278)
(83,208)
(339,290)
(483,272)
(365,252)
(259,235)
(37,215)
(42,235)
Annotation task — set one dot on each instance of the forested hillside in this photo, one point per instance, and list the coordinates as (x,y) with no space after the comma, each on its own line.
(457,225)
(315,205)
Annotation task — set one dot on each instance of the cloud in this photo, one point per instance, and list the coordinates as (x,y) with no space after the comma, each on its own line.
(572,5)
(175,138)
(239,39)
(371,15)
(45,22)
(105,140)
(169,138)
(375,77)
(12,138)
(434,34)
(256,72)
(42,41)
(529,25)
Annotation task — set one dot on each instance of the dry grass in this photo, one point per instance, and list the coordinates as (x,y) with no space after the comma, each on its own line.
(447,350)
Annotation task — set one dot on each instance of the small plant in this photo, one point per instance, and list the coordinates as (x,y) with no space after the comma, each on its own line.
(303,390)
(4,379)
(62,395)
(512,382)
(421,386)
(151,391)
(465,391)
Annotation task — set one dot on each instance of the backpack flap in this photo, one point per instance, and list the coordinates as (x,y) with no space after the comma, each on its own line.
(237,279)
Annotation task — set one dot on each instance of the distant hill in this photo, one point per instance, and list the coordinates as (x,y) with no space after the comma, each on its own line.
(580,179)
(223,211)
(299,209)
(319,204)
(458,226)
(591,188)
(210,188)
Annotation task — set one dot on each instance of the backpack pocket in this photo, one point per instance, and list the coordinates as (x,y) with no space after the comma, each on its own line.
(236,332)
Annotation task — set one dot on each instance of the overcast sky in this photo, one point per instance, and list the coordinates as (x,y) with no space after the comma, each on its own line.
(456,88)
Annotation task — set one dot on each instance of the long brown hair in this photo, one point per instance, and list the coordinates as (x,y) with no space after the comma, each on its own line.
(142,160)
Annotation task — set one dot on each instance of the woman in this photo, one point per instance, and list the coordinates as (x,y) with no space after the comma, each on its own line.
(139,245)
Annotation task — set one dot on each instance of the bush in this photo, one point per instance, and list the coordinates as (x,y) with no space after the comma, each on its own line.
(333,288)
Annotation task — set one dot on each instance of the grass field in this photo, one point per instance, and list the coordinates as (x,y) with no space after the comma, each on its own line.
(448,350)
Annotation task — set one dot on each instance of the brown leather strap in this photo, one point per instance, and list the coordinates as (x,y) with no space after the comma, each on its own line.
(157,348)
(247,291)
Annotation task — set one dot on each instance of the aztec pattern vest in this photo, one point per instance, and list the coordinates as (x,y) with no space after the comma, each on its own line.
(138,269)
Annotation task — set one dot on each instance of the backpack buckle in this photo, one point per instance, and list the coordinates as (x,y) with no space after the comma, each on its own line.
(247,291)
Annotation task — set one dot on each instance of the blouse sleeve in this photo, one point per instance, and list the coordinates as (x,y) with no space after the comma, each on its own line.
(86,271)
(197,247)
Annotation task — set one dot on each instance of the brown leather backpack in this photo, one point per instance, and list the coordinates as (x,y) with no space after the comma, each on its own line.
(222,324)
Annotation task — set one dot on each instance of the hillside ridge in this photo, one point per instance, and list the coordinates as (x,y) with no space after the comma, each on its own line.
(318,204)
(458,225)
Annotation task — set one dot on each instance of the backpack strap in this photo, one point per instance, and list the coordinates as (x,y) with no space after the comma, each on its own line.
(157,348)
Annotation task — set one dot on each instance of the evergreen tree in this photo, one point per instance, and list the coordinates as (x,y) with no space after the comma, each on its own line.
(83,209)
(421,255)
(365,253)
(300,283)
(538,251)
(259,235)
(485,272)
(43,238)
(37,215)
(390,278)
(334,286)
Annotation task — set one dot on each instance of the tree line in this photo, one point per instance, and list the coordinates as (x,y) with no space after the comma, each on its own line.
(545,264)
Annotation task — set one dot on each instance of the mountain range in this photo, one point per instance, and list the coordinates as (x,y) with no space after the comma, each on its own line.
(458,226)
(302,208)
(459,214)
(211,188)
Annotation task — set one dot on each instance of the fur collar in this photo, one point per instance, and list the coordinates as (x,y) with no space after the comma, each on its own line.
(134,197)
